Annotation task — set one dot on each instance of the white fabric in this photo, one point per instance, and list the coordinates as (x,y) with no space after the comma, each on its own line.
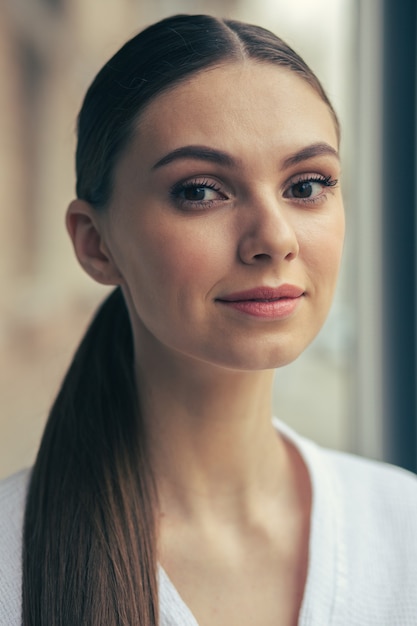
(363,545)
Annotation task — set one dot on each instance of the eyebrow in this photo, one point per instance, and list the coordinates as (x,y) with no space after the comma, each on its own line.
(309,152)
(204,153)
(200,153)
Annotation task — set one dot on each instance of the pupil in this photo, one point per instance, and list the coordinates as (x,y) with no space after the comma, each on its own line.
(302,190)
(194,193)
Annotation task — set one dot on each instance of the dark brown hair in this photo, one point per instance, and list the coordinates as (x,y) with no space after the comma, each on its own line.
(90,548)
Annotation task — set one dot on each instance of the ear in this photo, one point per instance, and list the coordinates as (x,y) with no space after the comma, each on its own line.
(90,248)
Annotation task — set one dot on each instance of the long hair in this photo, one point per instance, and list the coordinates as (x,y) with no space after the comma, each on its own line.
(90,531)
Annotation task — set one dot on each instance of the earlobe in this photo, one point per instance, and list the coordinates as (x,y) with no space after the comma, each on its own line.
(89,245)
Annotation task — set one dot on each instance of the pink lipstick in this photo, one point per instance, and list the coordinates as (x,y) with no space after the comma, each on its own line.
(266,302)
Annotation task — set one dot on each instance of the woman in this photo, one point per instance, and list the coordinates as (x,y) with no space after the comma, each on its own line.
(208,194)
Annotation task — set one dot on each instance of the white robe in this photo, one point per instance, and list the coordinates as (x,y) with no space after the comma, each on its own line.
(362,567)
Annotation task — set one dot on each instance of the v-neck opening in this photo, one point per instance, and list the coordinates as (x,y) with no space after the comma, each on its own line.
(325,568)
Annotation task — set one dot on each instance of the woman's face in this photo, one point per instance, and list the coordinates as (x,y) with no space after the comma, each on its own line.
(226,222)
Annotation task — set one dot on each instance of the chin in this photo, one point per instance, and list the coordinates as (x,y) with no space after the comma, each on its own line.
(261,358)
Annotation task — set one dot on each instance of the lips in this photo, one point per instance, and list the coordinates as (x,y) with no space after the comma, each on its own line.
(264,294)
(270,303)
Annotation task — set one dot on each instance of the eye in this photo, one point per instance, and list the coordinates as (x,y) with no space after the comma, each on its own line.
(309,188)
(197,194)
(194,193)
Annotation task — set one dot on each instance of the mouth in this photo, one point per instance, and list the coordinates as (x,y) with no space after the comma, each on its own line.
(264,294)
(266,302)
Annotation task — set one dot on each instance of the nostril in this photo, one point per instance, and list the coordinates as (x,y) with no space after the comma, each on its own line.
(290,256)
(262,256)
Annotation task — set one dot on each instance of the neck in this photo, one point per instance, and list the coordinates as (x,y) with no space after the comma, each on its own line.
(211,439)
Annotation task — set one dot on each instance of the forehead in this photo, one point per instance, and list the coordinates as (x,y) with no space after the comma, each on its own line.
(237,106)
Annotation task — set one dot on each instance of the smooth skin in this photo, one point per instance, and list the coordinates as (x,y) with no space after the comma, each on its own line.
(254,202)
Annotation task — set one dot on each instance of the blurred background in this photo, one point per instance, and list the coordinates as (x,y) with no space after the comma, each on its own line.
(355,387)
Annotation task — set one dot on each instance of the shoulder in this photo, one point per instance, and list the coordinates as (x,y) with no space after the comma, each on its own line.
(12,504)
(382,486)
(370,494)
(13,489)
(378,503)
(371,483)
(375,514)
(363,541)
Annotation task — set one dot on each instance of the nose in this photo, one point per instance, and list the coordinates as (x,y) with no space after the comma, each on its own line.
(267,232)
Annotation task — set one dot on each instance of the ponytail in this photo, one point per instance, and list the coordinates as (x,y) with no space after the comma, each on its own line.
(89,546)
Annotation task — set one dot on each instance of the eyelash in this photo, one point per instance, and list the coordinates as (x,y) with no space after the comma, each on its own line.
(324,181)
(181,187)
(206,184)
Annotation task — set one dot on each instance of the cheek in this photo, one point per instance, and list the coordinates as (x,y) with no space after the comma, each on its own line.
(321,246)
(175,258)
